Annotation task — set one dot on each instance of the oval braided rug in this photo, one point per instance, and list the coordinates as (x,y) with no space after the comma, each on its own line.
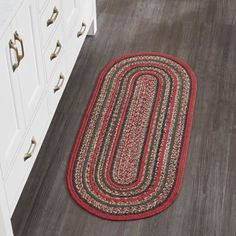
(129,156)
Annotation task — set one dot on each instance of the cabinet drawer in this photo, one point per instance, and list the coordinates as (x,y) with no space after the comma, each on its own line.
(86,10)
(57,86)
(49,20)
(70,15)
(26,156)
(54,51)
(76,41)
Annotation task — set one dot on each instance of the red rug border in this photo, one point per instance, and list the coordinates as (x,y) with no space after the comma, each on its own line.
(182,163)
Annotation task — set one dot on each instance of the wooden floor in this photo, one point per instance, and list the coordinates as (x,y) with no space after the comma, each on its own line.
(201,32)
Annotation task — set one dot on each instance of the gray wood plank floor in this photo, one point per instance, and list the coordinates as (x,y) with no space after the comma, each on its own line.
(201,32)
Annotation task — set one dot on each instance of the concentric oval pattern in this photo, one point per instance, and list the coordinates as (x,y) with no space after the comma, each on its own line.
(129,156)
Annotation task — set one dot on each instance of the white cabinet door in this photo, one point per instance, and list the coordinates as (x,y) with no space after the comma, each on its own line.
(12,123)
(21,87)
(28,71)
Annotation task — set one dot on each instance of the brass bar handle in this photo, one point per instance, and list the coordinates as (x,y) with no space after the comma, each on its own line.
(82,30)
(53,17)
(56,51)
(31,149)
(12,46)
(59,83)
(17,38)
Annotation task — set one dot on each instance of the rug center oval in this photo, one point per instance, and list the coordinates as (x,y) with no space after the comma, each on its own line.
(129,156)
(134,125)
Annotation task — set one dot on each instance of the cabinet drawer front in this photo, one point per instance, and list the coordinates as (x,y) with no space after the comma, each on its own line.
(26,156)
(79,32)
(86,10)
(57,86)
(70,15)
(49,20)
(77,38)
(54,51)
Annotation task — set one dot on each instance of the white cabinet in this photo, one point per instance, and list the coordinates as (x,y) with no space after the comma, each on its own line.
(39,44)
(21,97)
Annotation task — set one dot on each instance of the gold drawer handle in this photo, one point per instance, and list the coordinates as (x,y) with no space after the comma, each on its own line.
(82,30)
(59,83)
(12,46)
(56,51)
(17,38)
(31,149)
(53,17)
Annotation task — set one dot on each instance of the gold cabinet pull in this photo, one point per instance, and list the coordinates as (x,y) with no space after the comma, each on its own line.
(82,30)
(17,38)
(31,149)
(56,51)
(53,17)
(59,83)
(12,46)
